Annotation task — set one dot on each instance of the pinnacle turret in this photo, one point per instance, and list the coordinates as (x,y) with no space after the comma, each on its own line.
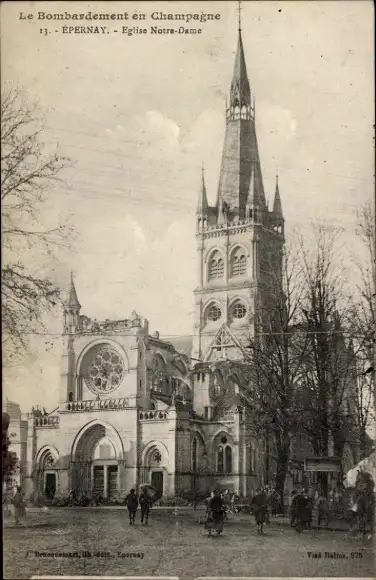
(277,204)
(252,197)
(73,302)
(202,204)
(253,206)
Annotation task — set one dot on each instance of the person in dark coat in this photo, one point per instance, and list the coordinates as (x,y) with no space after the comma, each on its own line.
(132,504)
(260,509)
(145,504)
(216,513)
(300,511)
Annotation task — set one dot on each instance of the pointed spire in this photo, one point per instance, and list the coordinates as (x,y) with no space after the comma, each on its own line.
(202,205)
(240,93)
(73,300)
(240,148)
(277,205)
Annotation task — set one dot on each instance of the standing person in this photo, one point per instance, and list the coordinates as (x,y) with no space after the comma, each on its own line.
(216,511)
(145,504)
(260,509)
(300,511)
(132,504)
(19,505)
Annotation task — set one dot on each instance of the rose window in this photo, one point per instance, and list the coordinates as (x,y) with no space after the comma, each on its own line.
(105,370)
(49,460)
(157,457)
(214,313)
(239,310)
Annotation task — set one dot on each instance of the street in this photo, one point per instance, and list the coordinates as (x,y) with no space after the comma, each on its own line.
(101,542)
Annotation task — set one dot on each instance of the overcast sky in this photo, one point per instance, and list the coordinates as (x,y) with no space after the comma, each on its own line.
(139,115)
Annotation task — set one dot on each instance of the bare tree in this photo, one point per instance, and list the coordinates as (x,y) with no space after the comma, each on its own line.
(276,357)
(328,378)
(363,327)
(27,175)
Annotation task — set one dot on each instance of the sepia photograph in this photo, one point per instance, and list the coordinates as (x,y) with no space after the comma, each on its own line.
(188,289)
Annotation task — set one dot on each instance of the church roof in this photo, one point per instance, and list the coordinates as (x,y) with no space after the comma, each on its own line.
(182,344)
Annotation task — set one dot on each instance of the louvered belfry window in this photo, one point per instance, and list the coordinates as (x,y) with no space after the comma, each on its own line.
(216,267)
(238,264)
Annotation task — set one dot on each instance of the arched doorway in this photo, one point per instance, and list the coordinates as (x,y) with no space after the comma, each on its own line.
(47,480)
(95,461)
(154,468)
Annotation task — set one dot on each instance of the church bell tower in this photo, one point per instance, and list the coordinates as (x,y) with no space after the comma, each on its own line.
(237,237)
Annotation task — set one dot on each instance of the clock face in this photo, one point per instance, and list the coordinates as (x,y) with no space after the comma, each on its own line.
(103,369)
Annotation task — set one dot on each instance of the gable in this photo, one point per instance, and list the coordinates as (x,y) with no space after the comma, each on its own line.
(224,346)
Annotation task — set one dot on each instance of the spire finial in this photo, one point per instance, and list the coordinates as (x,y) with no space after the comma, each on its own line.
(73,300)
(239,16)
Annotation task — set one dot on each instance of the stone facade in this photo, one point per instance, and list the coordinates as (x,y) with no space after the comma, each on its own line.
(136,409)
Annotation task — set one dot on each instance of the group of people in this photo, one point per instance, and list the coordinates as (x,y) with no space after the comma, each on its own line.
(266,502)
(218,504)
(362,505)
(132,502)
(80,498)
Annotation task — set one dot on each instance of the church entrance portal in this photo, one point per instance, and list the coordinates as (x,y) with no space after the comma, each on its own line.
(50,485)
(95,465)
(157,481)
(46,474)
(105,480)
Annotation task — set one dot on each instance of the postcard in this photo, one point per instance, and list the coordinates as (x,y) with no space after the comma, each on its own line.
(188,289)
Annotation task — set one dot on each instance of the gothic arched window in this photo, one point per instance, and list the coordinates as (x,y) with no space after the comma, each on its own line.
(216,266)
(194,455)
(224,459)
(158,371)
(228,459)
(220,460)
(238,265)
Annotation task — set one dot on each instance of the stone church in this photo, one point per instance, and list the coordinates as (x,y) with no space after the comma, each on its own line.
(137,409)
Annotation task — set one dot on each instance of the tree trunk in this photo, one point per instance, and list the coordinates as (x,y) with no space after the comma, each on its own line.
(282,462)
